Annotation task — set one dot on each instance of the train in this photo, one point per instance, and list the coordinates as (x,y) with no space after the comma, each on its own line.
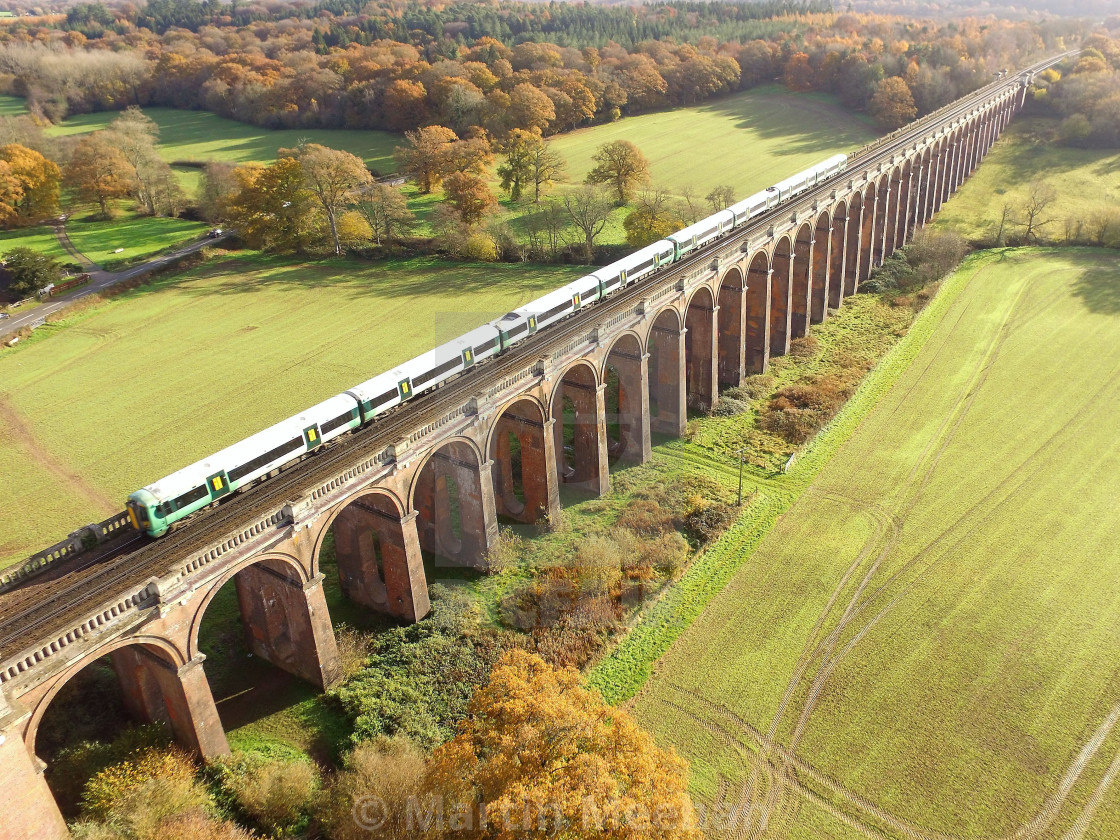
(162,505)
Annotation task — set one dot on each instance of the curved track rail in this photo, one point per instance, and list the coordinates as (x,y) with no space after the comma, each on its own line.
(32,610)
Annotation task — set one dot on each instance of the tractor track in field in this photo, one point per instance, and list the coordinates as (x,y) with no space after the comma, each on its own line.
(1043,819)
(779,774)
(825,650)
(25,439)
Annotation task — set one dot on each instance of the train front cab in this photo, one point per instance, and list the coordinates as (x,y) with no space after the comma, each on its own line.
(141,507)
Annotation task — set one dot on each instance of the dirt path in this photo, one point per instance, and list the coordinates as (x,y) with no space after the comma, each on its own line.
(64,240)
(25,439)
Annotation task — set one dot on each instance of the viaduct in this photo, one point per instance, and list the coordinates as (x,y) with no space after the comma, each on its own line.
(490,443)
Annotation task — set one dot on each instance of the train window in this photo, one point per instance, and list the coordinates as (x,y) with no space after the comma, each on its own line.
(188,498)
(438,371)
(520,328)
(268,457)
(383,398)
(485,346)
(341,420)
(556,310)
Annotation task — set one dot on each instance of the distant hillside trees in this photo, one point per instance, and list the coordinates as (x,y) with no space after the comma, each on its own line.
(488,69)
(1086,95)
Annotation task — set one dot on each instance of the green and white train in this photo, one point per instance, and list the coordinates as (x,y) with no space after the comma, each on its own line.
(160,506)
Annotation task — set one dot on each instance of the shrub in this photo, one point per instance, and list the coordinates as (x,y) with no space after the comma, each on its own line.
(418,679)
(353,649)
(73,766)
(646,517)
(390,769)
(804,347)
(597,565)
(274,793)
(705,521)
(754,387)
(480,247)
(730,407)
(506,553)
(124,779)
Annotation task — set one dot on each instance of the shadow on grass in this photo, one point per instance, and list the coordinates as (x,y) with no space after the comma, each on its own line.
(772,112)
(1099,287)
(420,277)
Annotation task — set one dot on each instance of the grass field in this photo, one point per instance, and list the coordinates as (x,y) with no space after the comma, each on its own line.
(40,239)
(1085,180)
(749,140)
(925,645)
(139,236)
(159,377)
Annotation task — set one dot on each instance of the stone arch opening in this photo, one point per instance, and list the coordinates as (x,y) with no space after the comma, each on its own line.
(258,627)
(882,214)
(781,297)
(836,256)
(852,246)
(140,681)
(580,430)
(665,346)
(700,350)
(521,452)
(800,280)
(947,183)
(820,278)
(894,209)
(921,192)
(757,321)
(627,402)
(455,522)
(377,551)
(905,204)
(731,321)
(867,234)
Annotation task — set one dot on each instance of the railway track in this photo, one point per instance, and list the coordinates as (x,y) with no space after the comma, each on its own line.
(31,611)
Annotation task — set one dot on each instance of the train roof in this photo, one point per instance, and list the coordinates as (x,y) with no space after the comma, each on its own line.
(236,454)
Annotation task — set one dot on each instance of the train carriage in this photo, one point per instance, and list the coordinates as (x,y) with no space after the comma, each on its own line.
(158,506)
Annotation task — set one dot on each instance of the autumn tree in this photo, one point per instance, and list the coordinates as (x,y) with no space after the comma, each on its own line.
(385,211)
(470,196)
(543,757)
(434,152)
(622,165)
(216,190)
(514,171)
(99,172)
(589,209)
(38,181)
(546,166)
(333,177)
(892,106)
(529,162)
(157,188)
(654,217)
(273,210)
(11,193)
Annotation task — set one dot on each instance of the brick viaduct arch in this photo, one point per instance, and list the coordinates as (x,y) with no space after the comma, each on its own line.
(561,421)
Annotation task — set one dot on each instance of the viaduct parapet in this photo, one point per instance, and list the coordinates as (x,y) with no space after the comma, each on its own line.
(499,442)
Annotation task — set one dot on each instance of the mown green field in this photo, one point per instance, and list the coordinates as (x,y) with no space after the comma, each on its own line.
(161,376)
(748,141)
(1085,180)
(199,136)
(40,239)
(137,236)
(925,644)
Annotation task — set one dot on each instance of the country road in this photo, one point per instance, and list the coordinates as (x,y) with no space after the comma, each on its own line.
(99,280)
